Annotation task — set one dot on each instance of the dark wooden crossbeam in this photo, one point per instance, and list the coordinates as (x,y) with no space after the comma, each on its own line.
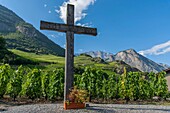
(64,28)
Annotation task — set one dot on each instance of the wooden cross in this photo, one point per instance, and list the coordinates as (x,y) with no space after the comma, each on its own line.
(69,29)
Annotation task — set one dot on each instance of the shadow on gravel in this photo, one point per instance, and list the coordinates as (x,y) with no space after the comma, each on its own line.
(1,110)
(7,103)
(130,108)
(100,110)
(155,109)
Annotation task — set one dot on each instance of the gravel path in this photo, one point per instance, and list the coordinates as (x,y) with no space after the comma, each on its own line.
(93,108)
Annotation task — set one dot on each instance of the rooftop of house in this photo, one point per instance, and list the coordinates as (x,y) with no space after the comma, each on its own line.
(167,71)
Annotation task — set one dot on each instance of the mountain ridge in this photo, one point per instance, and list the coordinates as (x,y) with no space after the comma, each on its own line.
(132,58)
(24,36)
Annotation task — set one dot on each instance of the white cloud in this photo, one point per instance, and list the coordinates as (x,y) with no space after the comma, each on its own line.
(49,11)
(53,36)
(57,35)
(45,5)
(84,25)
(80,6)
(56,10)
(157,49)
(64,46)
(60,34)
(80,50)
(99,33)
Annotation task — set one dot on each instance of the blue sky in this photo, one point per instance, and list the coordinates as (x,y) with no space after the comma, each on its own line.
(143,25)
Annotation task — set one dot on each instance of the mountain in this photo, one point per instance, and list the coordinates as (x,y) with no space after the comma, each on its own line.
(100,54)
(142,63)
(132,58)
(115,66)
(164,65)
(23,36)
(9,57)
(103,55)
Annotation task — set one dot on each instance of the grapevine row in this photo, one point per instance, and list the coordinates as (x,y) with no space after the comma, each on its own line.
(36,83)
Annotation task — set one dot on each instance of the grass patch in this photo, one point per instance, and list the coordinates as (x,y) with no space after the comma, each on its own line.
(52,61)
(39,57)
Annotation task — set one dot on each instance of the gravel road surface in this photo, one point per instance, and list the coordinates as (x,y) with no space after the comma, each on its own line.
(93,108)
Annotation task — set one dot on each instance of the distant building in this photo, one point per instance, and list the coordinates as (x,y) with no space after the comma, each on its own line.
(168,78)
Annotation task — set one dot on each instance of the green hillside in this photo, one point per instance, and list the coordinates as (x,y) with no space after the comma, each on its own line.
(52,61)
(23,36)
(11,58)
(39,57)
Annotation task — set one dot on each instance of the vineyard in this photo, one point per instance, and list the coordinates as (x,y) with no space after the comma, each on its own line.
(49,85)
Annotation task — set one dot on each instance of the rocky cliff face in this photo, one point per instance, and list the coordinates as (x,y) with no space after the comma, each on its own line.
(100,54)
(8,20)
(23,36)
(164,65)
(142,63)
(132,58)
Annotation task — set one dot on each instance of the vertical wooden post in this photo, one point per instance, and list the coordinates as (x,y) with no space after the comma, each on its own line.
(70,29)
(69,53)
